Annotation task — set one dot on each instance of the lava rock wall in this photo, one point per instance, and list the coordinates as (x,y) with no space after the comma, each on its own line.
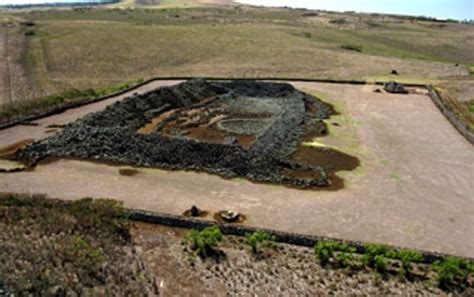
(111,135)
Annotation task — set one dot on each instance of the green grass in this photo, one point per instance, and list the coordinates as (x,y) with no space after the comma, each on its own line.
(395,176)
(470,105)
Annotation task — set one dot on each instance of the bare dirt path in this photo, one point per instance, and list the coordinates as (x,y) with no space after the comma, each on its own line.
(413,189)
(18,133)
(5,85)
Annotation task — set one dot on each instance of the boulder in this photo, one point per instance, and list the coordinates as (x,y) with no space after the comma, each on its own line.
(394,87)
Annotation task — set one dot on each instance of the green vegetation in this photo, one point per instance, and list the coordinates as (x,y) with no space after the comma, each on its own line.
(352,47)
(470,105)
(325,250)
(407,257)
(258,240)
(395,176)
(338,21)
(11,111)
(453,272)
(203,242)
(375,257)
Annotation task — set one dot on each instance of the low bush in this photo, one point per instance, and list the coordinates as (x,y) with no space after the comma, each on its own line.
(453,273)
(259,239)
(407,257)
(203,242)
(380,264)
(372,250)
(325,250)
(470,105)
(352,47)
(338,21)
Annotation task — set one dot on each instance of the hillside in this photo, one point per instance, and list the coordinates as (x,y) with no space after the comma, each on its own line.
(85,48)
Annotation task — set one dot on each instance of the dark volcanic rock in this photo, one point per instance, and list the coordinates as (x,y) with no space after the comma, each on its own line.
(394,87)
(111,134)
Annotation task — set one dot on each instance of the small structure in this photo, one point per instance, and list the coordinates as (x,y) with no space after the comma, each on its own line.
(195,212)
(394,87)
(229,215)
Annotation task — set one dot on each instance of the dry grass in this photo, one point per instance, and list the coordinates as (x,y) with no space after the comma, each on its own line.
(54,248)
(463,109)
(95,48)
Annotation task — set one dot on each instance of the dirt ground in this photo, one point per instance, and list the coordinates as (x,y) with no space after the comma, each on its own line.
(15,84)
(4,65)
(284,271)
(67,49)
(412,189)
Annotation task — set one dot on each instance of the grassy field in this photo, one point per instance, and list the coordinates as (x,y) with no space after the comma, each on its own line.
(54,248)
(86,48)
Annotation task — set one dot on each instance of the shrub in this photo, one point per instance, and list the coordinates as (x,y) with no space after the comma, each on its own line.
(407,257)
(259,239)
(324,250)
(371,23)
(338,21)
(203,242)
(30,32)
(372,251)
(352,47)
(453,272)
(470,104)
(306,35)
(344,258)
(380,264)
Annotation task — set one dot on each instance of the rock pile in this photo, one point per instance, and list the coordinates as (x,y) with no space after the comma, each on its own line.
(394,87)
(111,134)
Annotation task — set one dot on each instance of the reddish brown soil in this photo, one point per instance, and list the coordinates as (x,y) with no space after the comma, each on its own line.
(12,148)
(149,127)
(207,132)
(212,134)
(332,160)
(128,171)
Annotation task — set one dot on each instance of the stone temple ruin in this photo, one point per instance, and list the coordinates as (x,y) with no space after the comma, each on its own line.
(245,129)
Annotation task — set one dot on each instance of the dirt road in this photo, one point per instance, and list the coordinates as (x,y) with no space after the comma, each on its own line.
(413,189)
(5,85)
